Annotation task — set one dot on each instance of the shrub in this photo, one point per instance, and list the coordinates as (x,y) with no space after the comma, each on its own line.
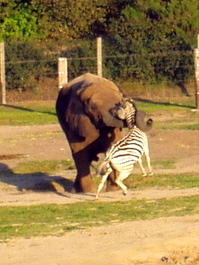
(24,64)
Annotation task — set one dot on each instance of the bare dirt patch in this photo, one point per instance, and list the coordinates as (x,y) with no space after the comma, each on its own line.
(155,242)
(172,240)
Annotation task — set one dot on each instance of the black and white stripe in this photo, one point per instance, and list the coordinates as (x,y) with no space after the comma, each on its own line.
(130,112)
(122,156)
(130,116)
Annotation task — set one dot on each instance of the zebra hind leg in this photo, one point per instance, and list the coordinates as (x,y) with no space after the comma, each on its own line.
(101,185)
(148,160)
(149,164)
(119,182)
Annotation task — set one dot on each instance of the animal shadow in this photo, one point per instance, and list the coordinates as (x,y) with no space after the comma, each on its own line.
(38,181)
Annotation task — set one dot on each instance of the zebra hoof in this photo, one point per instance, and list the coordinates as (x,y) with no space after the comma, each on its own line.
(96,198)
(151,174)
(124,193)
(144,175)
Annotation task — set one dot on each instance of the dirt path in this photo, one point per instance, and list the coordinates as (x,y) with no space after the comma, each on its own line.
(153,242)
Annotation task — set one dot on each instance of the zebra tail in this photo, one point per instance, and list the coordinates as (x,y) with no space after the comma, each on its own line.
(103,168)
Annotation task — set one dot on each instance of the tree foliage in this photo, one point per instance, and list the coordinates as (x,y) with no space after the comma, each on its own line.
(74,19)
(20,24)
(153,39)
(25,61)
(145,28)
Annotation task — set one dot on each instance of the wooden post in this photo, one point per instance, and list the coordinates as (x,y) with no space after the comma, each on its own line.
(2,73)
(196,62)
(99,56)
(62,72)
(198,41)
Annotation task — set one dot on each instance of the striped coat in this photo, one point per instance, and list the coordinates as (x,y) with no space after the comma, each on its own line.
(122,156)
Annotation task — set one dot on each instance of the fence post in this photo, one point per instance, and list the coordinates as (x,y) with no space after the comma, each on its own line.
(62,71)
(2,73)
(196,64)
(99,56)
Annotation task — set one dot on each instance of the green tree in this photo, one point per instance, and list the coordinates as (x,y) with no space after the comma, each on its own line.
(128,44)
(71,19)
(140,29)
(146,40)
(20,24)
(25,62)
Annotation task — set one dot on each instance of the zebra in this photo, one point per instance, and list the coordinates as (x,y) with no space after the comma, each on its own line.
(122,156)
(130,114)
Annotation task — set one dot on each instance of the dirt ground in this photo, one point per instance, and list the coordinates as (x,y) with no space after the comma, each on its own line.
(173,240)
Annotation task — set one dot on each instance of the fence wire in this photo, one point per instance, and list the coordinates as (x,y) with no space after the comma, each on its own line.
(33,73)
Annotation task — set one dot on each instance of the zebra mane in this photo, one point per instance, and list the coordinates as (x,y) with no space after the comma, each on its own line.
(130,112)
(103,167)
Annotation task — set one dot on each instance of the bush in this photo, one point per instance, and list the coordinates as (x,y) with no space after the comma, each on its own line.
(82,57)
(127,62)
(25,62)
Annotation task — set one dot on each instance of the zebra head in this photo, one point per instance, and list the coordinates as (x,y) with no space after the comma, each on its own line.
(133,116)
(130,112)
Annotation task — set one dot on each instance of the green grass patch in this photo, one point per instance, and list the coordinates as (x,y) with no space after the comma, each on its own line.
(182,123)
(46,167)
(150,106)
(192,127)
(162,164)
(185,180)
(177,126)
(178,117)
(28,113)
(43,220)
(43,112)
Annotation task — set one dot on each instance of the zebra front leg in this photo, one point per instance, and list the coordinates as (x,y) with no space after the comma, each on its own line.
(104,178)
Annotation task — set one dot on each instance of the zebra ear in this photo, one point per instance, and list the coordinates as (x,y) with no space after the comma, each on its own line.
(143,125)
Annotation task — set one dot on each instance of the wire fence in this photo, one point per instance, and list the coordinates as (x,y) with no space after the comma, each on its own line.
(35,76)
